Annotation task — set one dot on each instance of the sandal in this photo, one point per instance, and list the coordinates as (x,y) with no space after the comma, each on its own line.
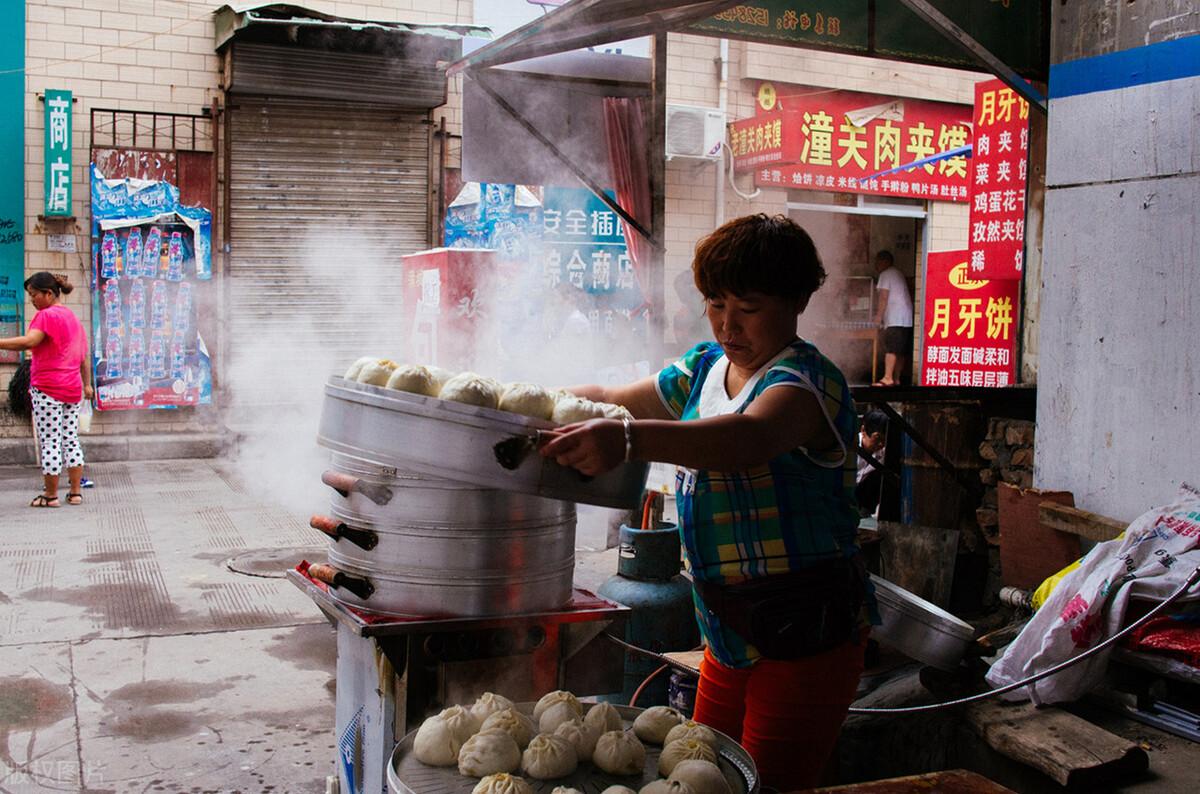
(41,500)
(74,498)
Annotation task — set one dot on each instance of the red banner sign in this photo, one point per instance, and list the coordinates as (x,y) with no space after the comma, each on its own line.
(971,325)
(999,166)
(841,141)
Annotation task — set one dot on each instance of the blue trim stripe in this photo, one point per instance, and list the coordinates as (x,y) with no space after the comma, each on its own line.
(1154,63)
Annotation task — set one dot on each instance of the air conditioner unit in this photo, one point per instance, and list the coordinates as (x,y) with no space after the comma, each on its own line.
(694,132)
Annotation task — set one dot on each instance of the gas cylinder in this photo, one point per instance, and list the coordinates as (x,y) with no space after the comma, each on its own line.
(662,615)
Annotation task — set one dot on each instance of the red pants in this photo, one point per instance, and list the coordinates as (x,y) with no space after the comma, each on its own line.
(786,714)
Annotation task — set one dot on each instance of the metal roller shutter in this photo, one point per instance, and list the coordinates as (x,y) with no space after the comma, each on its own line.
(325,197)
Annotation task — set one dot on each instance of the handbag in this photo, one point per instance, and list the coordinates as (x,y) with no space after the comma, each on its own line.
(792,615)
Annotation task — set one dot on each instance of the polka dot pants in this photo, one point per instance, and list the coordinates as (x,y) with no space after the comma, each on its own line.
(57,426)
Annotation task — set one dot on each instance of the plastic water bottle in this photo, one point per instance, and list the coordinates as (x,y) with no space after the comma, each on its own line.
(137,305)
(151,253)
(108,256)
(112,304)
(158,356)
(178,351)
(175,257)
(183,307)
(112,355)
(133,253)
(158,306)
(137,359)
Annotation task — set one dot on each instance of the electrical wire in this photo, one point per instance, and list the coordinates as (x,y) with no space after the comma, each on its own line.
(1183,588)
(732,186)
(638,692)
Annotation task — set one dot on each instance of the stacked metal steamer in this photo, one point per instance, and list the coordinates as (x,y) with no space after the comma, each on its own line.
(425,519)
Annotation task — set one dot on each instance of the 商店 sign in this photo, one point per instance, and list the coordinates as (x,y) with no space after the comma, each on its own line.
(841,141)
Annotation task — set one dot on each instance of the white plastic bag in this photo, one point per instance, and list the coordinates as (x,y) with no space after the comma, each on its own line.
(85,416)
(1159,550)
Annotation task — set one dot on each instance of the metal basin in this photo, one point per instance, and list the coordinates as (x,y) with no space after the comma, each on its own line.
(407,775)
(454,441)
(919,629)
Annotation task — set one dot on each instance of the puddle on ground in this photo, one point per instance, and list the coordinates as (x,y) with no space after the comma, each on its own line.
(312,647)
(167,690)
(28,703)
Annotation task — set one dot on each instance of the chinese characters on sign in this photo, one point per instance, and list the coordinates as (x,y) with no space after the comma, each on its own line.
(58,153)
(998,175)
(970,325)
(584,252)
(811,142)
(840,23)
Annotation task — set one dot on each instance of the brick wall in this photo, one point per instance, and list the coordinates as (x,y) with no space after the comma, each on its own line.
(146,55)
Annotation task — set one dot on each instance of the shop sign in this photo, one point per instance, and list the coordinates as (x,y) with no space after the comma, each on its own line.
(999,171)
(841,141)
(970,325)
(840,24)
(58,153)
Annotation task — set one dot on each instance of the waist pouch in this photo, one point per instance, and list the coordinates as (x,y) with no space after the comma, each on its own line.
(792,615)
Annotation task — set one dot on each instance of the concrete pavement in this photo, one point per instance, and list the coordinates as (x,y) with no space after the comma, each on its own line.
(132,658)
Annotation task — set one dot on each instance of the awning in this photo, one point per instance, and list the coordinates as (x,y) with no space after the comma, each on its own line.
(236,17)
(1010,40)
(586,23)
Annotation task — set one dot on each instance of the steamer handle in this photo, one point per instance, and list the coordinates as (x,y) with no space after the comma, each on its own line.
(331,576)
(345,484)
(363,538)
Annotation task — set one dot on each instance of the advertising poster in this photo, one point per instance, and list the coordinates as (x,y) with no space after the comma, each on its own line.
(841,141)
(971,325)
(999,170)
(152,267)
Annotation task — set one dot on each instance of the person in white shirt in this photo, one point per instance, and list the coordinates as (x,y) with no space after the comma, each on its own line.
(894,314)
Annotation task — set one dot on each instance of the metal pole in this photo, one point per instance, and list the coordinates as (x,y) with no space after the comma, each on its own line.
(944,25)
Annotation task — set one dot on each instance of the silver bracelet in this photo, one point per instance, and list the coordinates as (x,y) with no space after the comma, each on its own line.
(625,420)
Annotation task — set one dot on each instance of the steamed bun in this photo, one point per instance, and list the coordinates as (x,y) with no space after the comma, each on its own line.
(472,389)
(612,411)
(461,721)
(684,750)
(666,787)
(412,378)
(653,724)
(556,714)
(603,717)
(488,704)
(440,376)
(436,743)
(356,367)
(549,756)
(619,753)
(690,729)
(502,783)
(565,790)
(376,372)
(550,698)
(618,790)
(528,400)
(514,723)
(575,409)
(583,737)
(488,753)
(704,777)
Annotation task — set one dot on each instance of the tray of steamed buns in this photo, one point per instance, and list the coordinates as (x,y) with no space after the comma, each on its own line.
(466,427)
(563,746)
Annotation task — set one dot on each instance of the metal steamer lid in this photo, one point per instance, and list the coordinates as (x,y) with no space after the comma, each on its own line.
(454,441)
(407,775)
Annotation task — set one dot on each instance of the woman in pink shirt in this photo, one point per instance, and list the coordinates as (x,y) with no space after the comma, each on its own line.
(60,378)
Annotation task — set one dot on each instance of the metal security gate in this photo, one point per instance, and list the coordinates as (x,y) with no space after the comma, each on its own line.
(325,197)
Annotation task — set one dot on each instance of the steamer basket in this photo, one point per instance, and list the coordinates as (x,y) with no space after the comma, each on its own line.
(455,441)
(451,549)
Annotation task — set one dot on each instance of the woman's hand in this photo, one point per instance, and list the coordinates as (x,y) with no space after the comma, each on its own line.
(88,391)
(592,447)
